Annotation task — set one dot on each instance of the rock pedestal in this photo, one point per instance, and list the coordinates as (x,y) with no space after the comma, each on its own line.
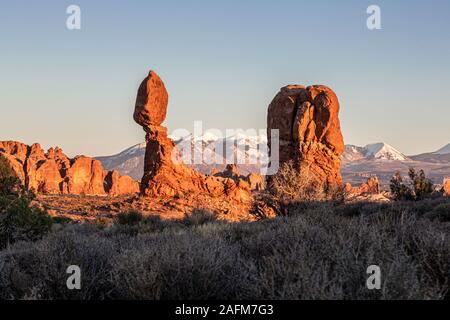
(165,175)
(309,129)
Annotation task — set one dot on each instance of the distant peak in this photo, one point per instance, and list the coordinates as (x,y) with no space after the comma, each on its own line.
(383,151)
(378,151)
(443,150)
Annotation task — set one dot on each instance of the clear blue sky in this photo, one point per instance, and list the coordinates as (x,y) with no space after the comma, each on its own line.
(222,62)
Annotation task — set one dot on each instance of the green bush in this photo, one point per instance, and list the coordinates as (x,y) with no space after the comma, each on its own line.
(399,190)
(419,186)
(422,186)
(19,220)
(9,184)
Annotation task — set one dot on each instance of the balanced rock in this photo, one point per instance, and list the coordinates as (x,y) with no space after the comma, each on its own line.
(165,174)
(151,101)
(309,130)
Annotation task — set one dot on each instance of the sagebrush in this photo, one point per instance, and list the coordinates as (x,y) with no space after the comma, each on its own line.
(320,252)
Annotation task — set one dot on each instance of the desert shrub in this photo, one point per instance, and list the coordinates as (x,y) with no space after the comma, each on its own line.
(399,190)
(134,223)
(422,186)
(19,220)
(9,183)
(351,210)
(322,253)
(40,269)
(419,186)
(156,224)
(131,218)
(440,212)
(292,184)
(184,265)
(199,217)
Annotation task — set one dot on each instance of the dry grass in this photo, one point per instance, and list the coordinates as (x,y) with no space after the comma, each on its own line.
(291,184)
(320,251)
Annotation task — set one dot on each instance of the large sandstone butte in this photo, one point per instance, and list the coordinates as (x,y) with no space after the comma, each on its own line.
(165,175)
(54,173)
(310,133)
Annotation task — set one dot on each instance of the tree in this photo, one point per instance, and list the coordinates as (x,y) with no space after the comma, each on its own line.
(19,219)
(9,183)
(399,190)
(419,187)
(423,187)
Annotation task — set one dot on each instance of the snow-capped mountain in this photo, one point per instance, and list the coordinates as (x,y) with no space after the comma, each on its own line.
(204,153)
(375,151)
(129,162)
(358,163)
(238,148)
(440,156)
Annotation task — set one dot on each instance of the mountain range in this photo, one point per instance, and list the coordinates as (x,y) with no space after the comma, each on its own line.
(358,163)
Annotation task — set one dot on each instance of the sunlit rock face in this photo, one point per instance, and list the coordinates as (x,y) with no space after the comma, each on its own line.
(310,134)
(163,176)
(55,173)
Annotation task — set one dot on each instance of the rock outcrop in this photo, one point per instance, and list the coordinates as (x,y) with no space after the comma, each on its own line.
(446,187)
(371,187)
(55,173)
(165,175)
(118,185)
(254,182)
(151,101)
(309,130)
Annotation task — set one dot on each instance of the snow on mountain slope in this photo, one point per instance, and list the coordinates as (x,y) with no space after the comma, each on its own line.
(209,151)
(128,162)
(383,151)
(202,152)
(352,153)
(444,150)
(358,163)
(377,151)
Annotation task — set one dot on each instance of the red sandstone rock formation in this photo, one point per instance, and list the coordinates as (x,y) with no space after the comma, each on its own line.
(254,182)
(54,173)
(372,186)
(446,187)
(309,128)
(118,185)
(151,101)
(165,175)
